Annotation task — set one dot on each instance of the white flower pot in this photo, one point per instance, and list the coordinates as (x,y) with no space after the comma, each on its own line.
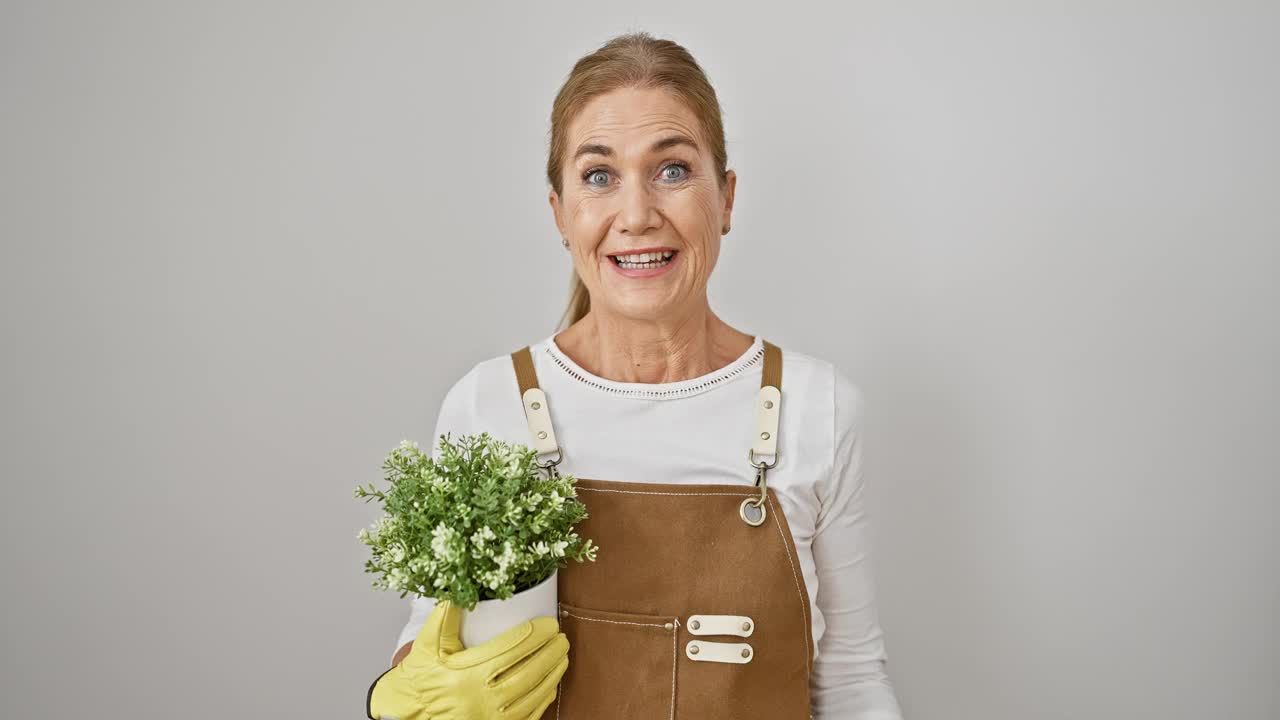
(491,618)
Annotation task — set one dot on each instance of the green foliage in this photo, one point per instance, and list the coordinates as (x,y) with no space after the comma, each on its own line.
(479,522)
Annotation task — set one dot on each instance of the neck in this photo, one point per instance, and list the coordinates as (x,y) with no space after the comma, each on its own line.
(663,350)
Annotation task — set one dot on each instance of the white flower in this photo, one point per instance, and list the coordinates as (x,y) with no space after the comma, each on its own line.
(504,459)
(481,536)
(397,578)
(558,547)
(507,557)
(441,537)
(540,548)
(494,579)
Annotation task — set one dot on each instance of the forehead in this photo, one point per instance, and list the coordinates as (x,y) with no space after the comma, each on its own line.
(628,118)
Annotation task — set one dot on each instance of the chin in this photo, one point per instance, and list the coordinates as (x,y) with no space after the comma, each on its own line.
(642,308)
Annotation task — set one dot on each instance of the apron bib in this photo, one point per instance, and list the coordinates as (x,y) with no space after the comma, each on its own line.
(695,607)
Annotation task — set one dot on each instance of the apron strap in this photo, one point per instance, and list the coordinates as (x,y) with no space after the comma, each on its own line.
(768,404)
(526,376)
(772,365)
(541,435)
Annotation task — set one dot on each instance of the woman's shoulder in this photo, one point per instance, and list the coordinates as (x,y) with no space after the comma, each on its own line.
(486,377)
(483,395)
(833,411)
(816,378)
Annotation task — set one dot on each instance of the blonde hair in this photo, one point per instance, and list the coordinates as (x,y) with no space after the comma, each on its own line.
(632,60)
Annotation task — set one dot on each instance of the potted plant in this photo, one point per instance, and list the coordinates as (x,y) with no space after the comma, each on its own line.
(480,525)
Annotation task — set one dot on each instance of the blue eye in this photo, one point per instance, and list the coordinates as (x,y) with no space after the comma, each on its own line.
(588,175)
(680,165)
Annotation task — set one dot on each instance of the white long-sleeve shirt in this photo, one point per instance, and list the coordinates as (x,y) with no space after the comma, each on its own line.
(698,431)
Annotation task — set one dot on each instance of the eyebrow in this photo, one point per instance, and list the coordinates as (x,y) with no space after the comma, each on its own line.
(659,146)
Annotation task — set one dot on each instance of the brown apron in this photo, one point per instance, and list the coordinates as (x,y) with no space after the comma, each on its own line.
(695,607)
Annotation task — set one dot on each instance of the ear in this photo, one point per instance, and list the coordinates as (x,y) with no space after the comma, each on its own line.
(557,211)
(730,185)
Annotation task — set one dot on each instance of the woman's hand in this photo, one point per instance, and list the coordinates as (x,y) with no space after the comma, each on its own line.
(512,676)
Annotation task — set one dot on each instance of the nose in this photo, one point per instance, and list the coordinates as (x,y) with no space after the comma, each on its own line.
(638,213)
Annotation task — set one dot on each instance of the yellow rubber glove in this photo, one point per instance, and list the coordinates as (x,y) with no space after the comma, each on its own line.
(511,677)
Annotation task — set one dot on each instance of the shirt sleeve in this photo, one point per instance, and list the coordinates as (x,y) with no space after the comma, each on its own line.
(849,681)
(457,411)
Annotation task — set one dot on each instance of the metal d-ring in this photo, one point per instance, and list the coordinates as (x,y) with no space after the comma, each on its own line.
(752,509)
(550,466)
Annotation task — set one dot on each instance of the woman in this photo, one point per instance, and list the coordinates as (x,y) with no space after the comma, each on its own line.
(733,579)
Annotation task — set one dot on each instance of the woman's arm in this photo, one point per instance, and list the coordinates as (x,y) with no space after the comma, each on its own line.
(849,681)
(401,653)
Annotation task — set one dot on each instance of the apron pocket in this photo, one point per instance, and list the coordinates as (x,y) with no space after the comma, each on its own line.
(621,665)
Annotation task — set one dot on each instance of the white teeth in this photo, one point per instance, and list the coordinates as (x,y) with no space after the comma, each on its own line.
(644,260)
(645,257)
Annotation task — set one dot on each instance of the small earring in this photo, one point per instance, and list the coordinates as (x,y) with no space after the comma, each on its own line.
(724,230)
(565,243)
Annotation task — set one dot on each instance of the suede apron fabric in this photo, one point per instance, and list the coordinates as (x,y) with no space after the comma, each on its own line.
(668,552)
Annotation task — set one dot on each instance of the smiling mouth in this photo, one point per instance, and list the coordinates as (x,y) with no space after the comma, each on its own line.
(643,261)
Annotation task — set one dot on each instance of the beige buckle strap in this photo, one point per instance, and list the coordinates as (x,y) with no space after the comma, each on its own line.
(708,651)
(768,404)
(542,436)
(739,625)
(540,431)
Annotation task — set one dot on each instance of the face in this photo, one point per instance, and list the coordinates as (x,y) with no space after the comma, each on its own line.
(638,176)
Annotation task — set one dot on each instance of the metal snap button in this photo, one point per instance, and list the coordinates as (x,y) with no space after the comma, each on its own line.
(746,652)
(768,404)
(764,436)
(669,626)
(536,405)
(693,649)
(746,626)
(564,613)
(542,434)
(694,624)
